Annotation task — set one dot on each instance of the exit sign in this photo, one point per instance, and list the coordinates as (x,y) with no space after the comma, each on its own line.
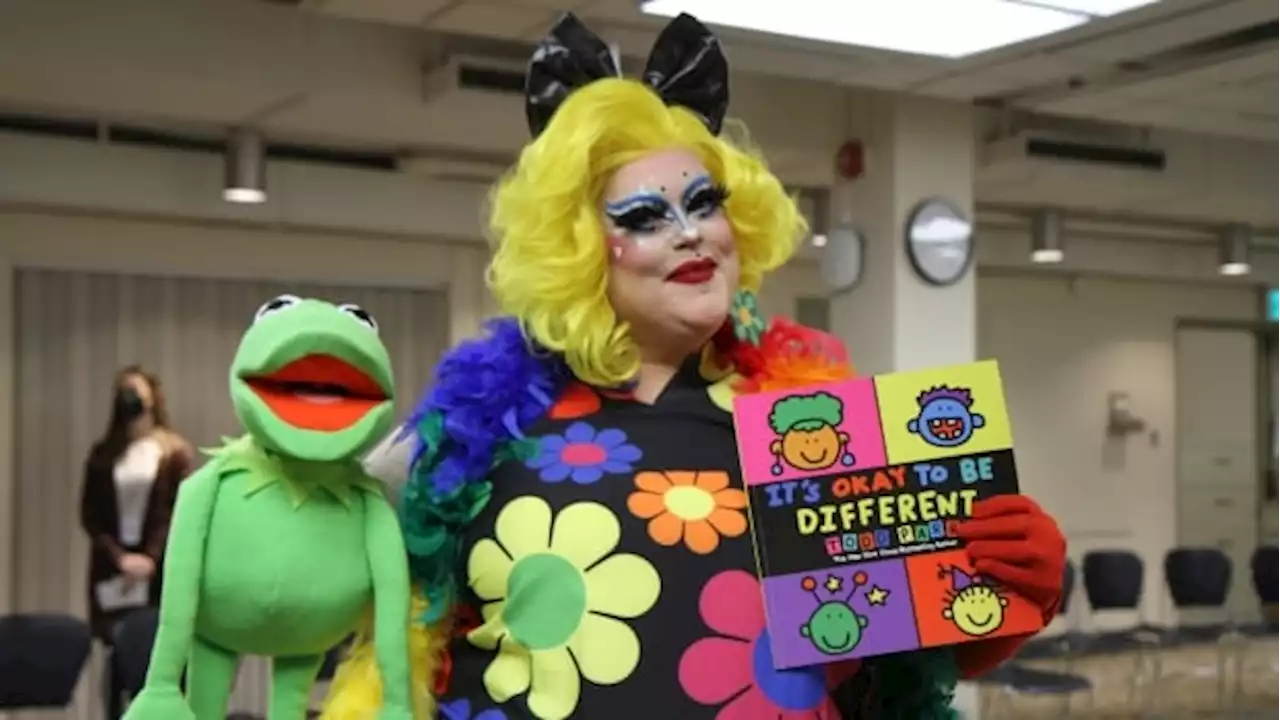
(1273,305)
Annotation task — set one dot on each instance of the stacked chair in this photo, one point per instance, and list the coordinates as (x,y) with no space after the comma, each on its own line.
(1198,579)
(1265,576)
(1014,679)
(41,659)
(1113,582)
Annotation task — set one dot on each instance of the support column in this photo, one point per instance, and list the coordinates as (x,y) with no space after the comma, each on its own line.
(915,149)
(893,320)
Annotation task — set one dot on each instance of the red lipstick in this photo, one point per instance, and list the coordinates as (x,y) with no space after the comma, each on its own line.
(693,272)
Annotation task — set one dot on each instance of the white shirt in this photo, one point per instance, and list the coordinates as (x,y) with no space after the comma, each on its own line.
(135,474)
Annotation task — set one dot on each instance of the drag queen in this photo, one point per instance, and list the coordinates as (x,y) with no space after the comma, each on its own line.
(573,506)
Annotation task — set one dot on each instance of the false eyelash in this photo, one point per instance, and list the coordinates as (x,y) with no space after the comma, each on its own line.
(639,218)
(711,197)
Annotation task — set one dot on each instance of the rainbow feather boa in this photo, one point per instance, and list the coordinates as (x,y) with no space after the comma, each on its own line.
(486,393)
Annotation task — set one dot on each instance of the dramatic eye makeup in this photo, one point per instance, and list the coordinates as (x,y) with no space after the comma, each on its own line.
(647,212)
(703,197)
(644,212)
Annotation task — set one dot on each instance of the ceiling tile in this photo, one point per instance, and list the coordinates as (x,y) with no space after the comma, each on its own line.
(511,22)
(400,12)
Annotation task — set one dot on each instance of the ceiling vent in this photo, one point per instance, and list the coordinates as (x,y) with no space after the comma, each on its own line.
(462,73)
(1031,148)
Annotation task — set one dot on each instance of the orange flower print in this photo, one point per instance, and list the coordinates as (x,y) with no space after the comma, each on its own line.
(696,506)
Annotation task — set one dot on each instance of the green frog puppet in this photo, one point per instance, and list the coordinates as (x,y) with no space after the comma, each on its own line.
(281,544)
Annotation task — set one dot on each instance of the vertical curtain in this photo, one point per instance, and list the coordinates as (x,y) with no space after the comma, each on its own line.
(75,329)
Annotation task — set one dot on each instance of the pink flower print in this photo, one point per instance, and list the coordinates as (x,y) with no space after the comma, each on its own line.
(734,668)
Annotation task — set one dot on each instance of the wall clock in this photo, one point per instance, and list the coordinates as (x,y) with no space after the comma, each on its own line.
(841,263)
(939,238)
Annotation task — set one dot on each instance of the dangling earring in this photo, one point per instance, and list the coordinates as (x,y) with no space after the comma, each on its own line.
(744,312)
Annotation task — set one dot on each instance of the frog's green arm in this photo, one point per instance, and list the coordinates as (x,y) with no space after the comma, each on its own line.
(184,564)
(391,590)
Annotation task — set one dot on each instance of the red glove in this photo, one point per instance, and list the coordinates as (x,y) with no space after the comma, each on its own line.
(1014,542)
(1017,544)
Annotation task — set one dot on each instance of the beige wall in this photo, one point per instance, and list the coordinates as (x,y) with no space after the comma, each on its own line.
(1063,345)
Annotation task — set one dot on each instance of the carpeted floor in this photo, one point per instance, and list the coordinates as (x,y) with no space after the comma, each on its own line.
(1189,687)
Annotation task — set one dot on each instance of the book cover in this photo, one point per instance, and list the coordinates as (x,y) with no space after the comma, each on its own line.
(855,490)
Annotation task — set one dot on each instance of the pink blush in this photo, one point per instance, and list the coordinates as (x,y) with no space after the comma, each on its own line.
(619,248)
(636,255)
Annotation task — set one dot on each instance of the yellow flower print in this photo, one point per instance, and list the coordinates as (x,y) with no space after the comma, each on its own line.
(722,393)
(551,592)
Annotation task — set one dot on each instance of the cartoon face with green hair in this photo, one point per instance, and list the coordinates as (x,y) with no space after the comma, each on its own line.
(807,435)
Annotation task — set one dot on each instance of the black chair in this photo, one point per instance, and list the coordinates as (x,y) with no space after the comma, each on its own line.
(1198,579)
(1015,678)
(41,659)
(1264,572)
(130,654)
(1113,582)
(1069,641)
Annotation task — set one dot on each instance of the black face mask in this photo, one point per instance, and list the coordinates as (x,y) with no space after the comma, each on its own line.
(128,404)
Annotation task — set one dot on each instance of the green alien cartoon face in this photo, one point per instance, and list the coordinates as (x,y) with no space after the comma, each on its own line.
(834,628)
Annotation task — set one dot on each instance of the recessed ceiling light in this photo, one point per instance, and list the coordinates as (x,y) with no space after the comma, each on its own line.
(819,240)
(943,28)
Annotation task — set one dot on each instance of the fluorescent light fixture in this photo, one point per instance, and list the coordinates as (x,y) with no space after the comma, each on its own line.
(246,169)
(1233,250)
(943,28)
(1046,238)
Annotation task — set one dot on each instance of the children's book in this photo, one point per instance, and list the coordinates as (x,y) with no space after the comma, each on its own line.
(855,491)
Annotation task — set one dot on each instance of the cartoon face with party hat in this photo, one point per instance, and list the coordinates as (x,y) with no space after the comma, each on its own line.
(973,604)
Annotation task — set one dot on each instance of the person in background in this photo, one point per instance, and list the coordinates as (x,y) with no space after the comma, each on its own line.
(131,480)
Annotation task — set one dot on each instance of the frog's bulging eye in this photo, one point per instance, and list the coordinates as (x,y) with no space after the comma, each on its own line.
(360,315)
(284,302)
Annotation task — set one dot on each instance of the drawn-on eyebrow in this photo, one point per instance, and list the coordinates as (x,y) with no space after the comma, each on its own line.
(699,183)
(631,202)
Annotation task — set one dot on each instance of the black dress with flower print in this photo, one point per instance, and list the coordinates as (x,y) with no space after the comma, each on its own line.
(612,575)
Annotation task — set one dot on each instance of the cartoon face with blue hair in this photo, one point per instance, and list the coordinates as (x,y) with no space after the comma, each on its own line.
(946,418)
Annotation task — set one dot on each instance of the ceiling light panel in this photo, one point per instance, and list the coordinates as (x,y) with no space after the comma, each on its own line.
(940,28)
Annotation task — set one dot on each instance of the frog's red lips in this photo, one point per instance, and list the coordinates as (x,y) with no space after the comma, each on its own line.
(318,392)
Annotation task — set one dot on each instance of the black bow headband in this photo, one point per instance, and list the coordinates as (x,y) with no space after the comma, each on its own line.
(686,67)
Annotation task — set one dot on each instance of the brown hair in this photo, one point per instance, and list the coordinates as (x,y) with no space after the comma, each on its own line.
(116,438)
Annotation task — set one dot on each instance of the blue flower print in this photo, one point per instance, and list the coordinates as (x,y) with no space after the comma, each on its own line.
(461,710)
(583,455)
